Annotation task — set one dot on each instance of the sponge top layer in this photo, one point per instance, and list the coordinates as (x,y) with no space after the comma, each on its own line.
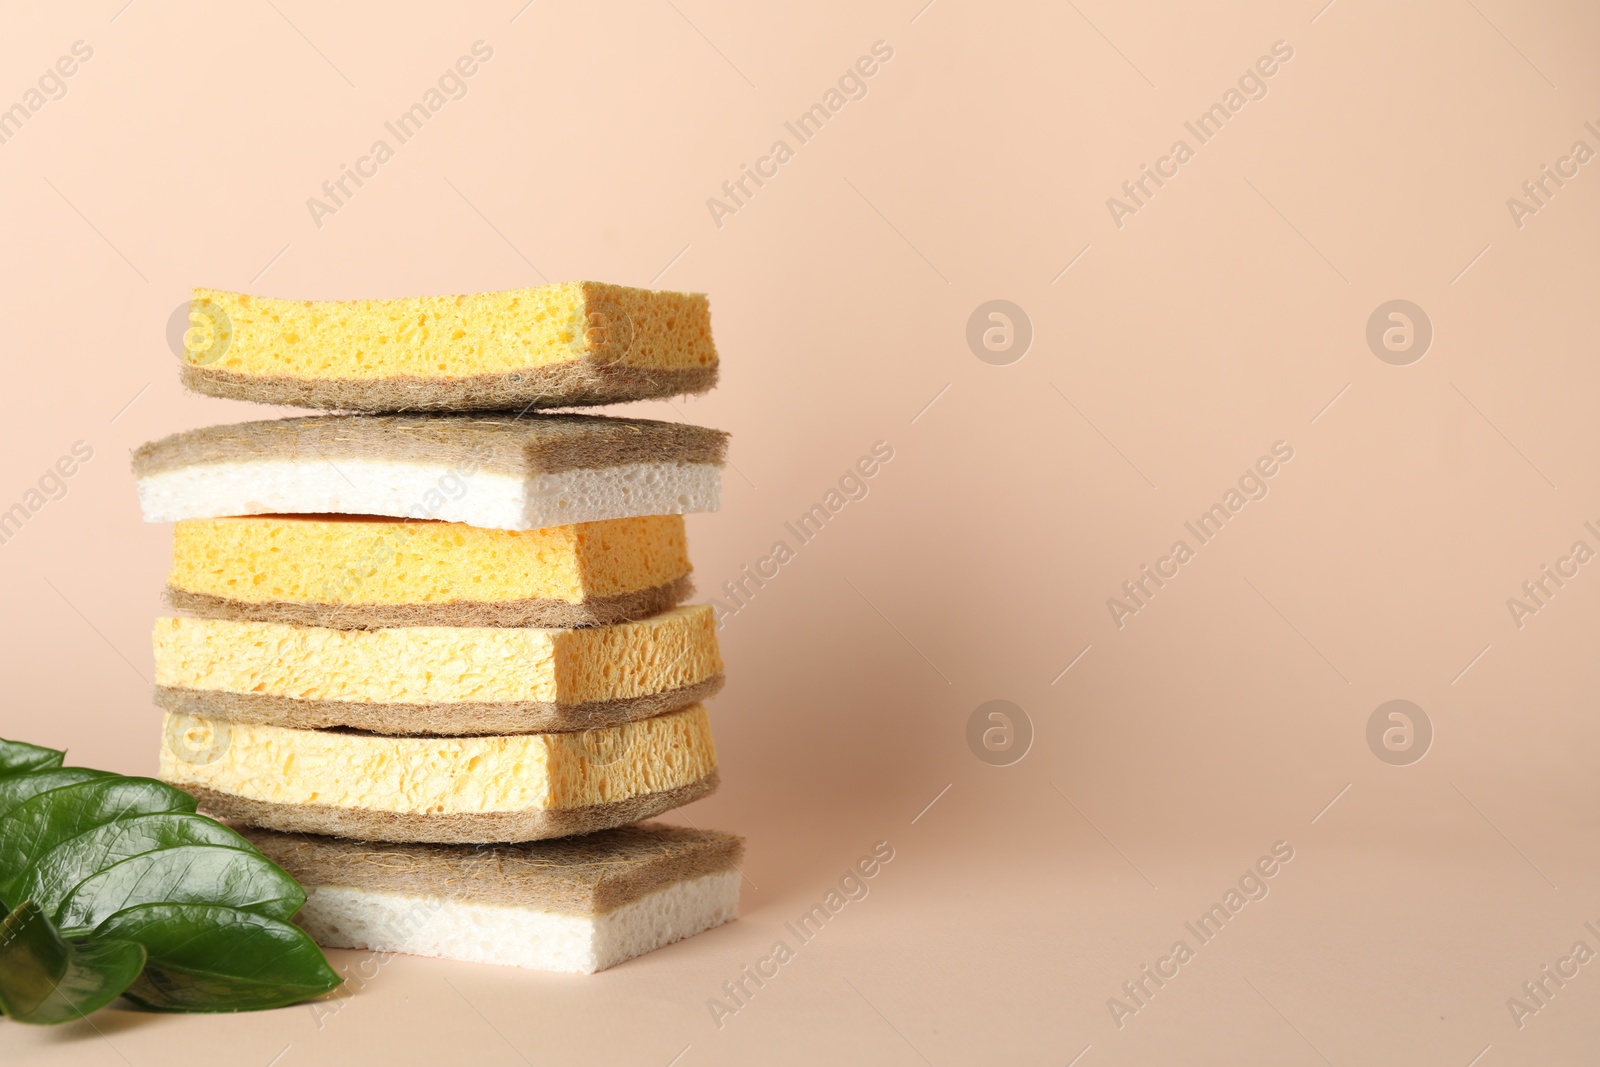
(547,346)
(588,875)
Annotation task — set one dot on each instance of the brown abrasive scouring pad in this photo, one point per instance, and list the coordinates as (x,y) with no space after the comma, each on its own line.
(574,904)
(502,472)
(450,790)
(438,680)
(350,572)
(574,343)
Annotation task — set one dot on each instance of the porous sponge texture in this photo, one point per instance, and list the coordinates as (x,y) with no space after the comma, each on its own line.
(440,775)
(342,917)
(588,875)
(440,664)
(519,445)
(445,337)
(346,560)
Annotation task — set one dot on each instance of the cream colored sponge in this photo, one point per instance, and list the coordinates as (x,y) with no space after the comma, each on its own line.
(447,680)
(575,343)
(357,573)
(522,787)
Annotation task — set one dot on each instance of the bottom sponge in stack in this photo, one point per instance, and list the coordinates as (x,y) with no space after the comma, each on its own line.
(577,904)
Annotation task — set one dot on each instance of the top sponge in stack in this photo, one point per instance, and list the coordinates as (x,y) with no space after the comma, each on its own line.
(566,345)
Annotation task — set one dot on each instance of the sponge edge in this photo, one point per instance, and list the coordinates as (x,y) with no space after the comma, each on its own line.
(575,343)
(355,572)
(440,680)
(424,491)
(500,472)
(587,875)
(530,611)
(340,917)
(576,904)
(458,828)
(442,789)
(457,719)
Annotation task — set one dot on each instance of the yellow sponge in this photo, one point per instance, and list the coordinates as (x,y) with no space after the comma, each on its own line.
(506,788)
(437,679)
(363,572)
(574,343)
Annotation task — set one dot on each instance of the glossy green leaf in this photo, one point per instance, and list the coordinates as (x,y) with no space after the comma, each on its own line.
(42,822)
(208,958)
(191,874)
(129,892)
(20,787)
(59,871)
(17,757)
(44,979)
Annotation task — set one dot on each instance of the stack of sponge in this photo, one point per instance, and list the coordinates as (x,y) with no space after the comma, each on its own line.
(436,660)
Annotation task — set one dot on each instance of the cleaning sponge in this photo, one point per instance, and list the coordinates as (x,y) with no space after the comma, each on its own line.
(496,471)
(352,572)
(575,343)
(521,787)
(443,680)
(576,905)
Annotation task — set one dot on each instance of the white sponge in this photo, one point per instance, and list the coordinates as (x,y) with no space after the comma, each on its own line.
(575,904)
(421,491)
(497,472)
(342,917)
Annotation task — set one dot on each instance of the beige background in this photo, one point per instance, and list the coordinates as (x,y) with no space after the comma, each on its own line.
(1229,313)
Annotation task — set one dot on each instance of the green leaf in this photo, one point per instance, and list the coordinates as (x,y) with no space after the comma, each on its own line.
(203,957)
(44,979)
(20,787)
(43,821)
(190,874)
(59,871)
(17,757)
(180,913)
